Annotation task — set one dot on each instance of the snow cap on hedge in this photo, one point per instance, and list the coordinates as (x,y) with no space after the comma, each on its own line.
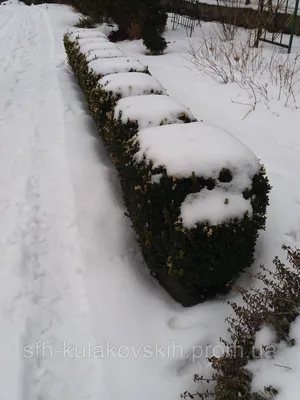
(205,151)
(82,33)
(152,110)
(94,45)
(104,53)
(116,65)
(199,148)
(89,40)
(131,84)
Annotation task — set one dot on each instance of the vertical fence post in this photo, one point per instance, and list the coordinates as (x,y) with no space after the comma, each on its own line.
(293,26)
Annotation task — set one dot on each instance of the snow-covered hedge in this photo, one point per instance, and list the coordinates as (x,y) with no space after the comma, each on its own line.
(106,66)
(134,113)
(84,46)
(92,57)
(114,87)
(196,196)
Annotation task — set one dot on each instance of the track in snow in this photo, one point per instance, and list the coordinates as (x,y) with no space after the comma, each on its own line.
(71,272)
(42,294)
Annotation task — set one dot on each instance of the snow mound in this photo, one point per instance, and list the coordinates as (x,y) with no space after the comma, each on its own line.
(152,110)
(213,206)
(93,39)
(105,53)
(265,337)
(199,148)
(97,45)
(116,65)
(81,33)
(131,84)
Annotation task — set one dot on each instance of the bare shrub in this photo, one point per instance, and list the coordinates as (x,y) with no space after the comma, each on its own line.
(233,12)
(226,62)
(263,77)
(229,11)
(277,304)
(280,81)
(285,74)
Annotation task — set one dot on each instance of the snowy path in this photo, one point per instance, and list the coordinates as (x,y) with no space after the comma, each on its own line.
(70,270)
(42,293)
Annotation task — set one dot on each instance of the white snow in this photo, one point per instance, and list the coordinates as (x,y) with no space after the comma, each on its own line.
(200,148)
(105,53)
(43,298)
(265,337)
(131,84)
(156,178)
(151,110)
(97,39)
(116,65)
(94,45)
(213,206)
(278,365)
(81,33)
(71,269)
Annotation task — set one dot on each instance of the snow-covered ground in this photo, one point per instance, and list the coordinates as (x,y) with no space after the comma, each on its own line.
(80,316)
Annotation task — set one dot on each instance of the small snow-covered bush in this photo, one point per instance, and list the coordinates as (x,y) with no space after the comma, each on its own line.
(152,37)
(140,18)
(154,41)
(196,196)
(256,329)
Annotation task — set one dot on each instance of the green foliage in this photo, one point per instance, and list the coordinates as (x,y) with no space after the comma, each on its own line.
(79,65)
(85,22)
(100,103)
(124,12)
(131,16)
(140,18)
(191,264)
(153,40)
(95,9)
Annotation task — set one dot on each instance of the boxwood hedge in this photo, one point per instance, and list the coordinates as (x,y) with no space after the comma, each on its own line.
(118,130)
(100,102)
(192,264)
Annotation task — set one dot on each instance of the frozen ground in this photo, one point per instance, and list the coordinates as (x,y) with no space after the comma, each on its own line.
(71,273)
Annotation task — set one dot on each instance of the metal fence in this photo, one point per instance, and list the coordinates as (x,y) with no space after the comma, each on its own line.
(183,13)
